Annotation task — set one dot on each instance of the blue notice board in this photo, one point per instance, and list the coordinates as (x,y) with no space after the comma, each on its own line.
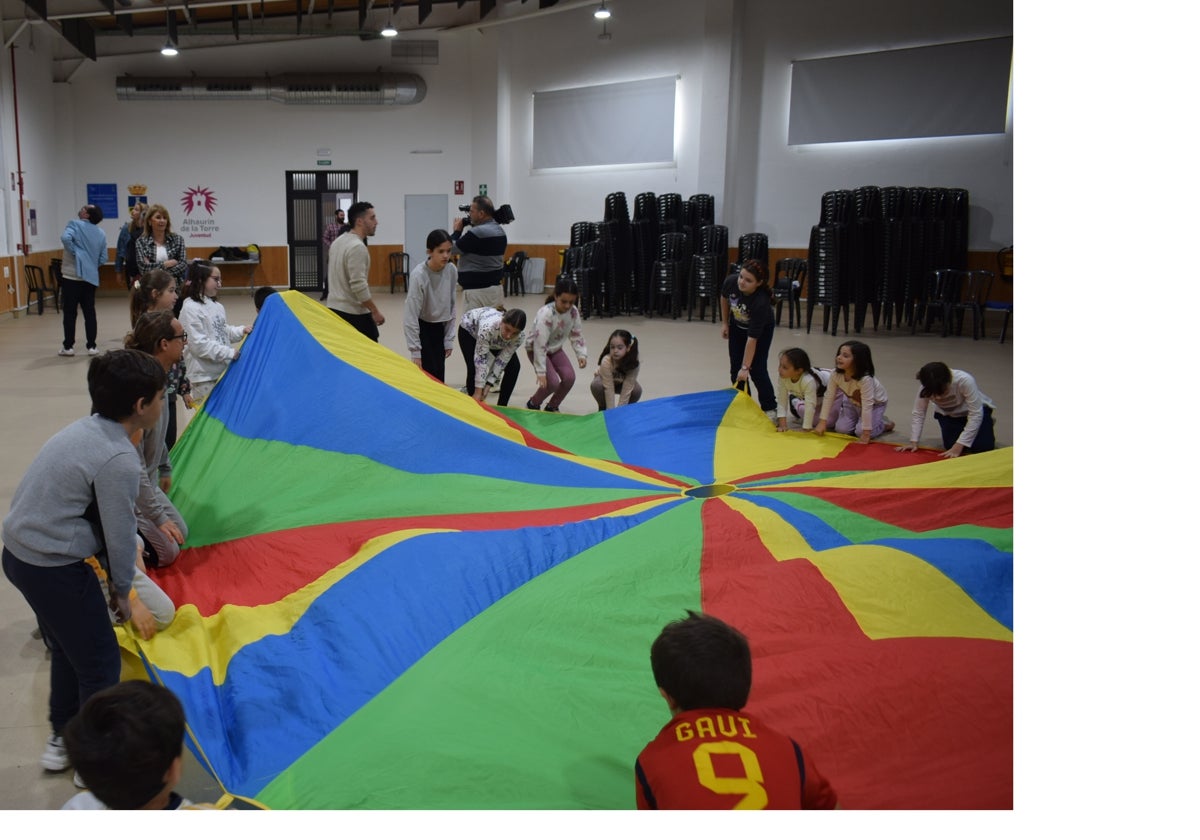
(103,196)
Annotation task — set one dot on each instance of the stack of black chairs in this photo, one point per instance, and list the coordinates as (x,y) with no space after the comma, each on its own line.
(704,208)
(667,275)
(752,246)
(876,248)
(645,248)
(583,232)
(670,213)
(826,245)
(624,264)
(864,254)
(618,282)
(891,286)
(710,265)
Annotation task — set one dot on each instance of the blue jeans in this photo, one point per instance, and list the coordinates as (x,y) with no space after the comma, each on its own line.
(73,614)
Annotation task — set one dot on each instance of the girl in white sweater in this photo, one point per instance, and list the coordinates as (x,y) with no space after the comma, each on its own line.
(554,324)
(209,349)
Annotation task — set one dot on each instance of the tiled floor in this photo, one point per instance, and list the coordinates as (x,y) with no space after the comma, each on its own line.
(44,392)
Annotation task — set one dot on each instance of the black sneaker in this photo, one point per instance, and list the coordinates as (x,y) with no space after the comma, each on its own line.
(529,404)
(551,408)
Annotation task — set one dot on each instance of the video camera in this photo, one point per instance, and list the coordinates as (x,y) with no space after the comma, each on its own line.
(503,214)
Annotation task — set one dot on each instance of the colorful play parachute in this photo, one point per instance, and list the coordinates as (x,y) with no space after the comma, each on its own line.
(393,597)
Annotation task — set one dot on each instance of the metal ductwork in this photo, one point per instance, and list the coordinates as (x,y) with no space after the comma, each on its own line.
(290,89)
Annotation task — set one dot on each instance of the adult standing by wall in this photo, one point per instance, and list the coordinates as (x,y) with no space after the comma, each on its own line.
(481,260)
(349,268)
(130,231)
(332,231)
(132,273)
(160,247)
(85,248)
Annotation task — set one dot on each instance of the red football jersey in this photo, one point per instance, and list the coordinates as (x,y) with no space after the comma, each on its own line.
(720,759)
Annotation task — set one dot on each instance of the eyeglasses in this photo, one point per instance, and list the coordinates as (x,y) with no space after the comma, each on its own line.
(182,337)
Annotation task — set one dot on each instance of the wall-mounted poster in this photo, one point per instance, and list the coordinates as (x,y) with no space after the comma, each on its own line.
(103,196)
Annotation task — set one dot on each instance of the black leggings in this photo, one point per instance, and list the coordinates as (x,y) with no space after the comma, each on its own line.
(508,382)
(433,348)
(758,368)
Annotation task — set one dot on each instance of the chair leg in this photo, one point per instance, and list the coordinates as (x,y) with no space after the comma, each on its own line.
(1004,329)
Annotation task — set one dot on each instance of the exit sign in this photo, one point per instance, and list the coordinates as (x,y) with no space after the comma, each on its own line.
(324,163)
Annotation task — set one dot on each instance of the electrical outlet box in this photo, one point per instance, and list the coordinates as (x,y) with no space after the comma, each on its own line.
(6,272)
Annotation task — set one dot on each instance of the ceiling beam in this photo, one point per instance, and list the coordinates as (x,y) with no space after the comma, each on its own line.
(80,35)
(38,7)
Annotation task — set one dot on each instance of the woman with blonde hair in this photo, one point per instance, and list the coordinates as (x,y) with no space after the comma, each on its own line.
(159,247)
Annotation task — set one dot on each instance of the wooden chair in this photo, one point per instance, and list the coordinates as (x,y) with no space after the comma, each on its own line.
(398,267)
(35,283)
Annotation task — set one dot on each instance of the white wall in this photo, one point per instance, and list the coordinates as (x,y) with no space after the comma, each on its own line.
(241,150)
(45,164)
(790,180)
(732,59)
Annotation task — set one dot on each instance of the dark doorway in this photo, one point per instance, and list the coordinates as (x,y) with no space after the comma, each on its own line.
(312,199)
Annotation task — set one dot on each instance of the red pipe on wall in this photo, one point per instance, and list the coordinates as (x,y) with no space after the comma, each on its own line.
(24,247)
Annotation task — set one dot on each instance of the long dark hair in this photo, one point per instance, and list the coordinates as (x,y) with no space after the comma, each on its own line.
(861,353)
(798,359)
(151,329)
(198,272)
(630,360)
(141,295)
(563,286)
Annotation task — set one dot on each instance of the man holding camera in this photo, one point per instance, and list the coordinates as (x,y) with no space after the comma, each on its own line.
(481,260)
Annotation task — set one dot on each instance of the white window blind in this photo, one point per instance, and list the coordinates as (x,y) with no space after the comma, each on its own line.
(939,91)
(604,125)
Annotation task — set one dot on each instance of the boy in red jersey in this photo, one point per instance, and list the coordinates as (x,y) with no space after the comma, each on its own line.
(712,755)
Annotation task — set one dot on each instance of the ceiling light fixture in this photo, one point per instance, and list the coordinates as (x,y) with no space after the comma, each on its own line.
(169,48)
(389,31)
(602,13)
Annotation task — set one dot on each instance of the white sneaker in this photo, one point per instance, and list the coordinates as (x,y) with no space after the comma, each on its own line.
(93,351)
(67,351)
(54,757)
